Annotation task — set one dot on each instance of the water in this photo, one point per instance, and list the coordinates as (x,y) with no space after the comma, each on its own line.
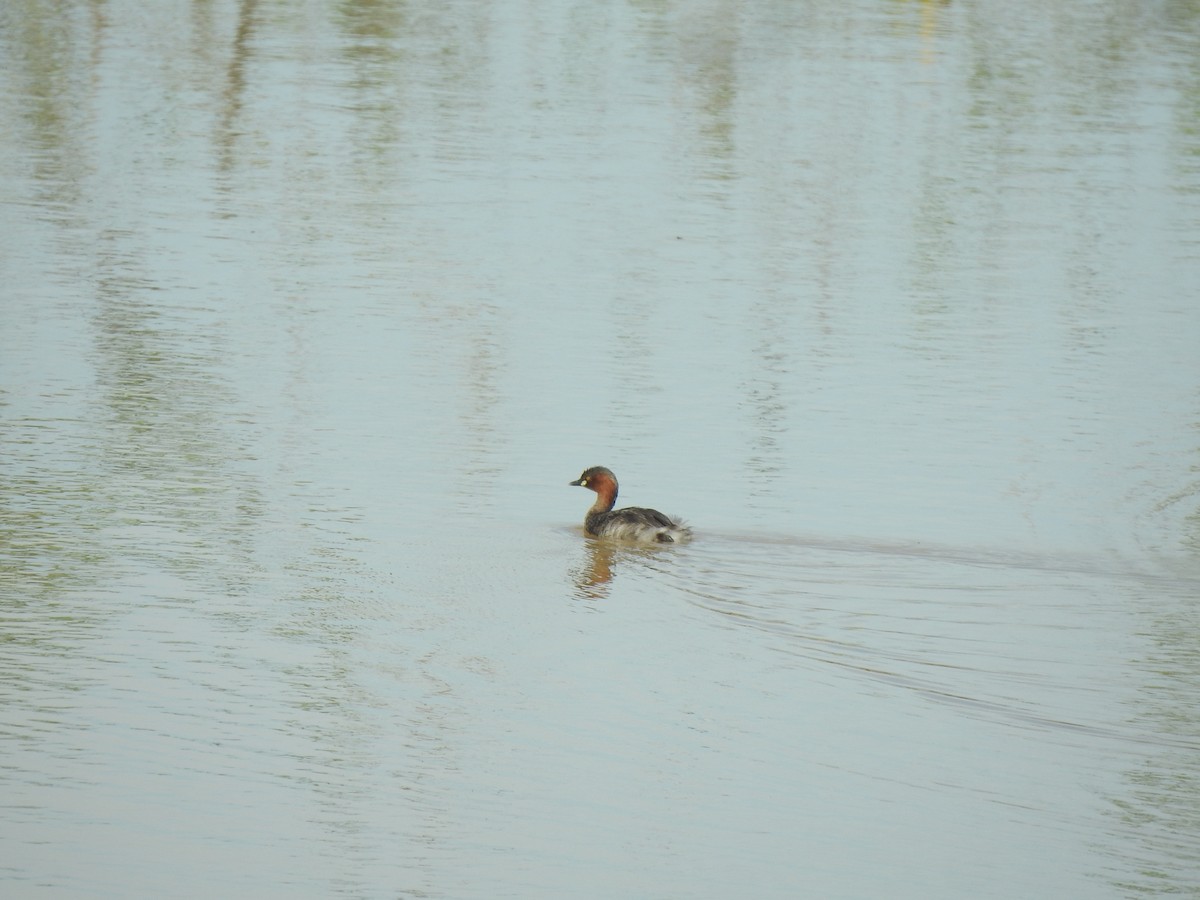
(312,310)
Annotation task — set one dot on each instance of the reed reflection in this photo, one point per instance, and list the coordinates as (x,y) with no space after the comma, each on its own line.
(233,95)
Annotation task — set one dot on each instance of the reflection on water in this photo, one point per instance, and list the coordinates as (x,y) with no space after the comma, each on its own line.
(602,560)
(231,126)
(594,575)
(306,303)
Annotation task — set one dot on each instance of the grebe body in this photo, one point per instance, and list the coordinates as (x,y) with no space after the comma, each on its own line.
(634,523)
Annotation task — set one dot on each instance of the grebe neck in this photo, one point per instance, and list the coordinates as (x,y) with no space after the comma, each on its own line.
(606,497)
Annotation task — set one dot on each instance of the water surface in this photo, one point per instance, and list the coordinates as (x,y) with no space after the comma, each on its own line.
(311,311)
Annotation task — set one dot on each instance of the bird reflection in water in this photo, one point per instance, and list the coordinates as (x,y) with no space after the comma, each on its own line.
(603,561)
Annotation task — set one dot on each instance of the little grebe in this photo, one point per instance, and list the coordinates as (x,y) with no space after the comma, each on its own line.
(646,526)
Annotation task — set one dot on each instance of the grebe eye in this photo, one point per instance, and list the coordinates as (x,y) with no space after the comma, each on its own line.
(583,482)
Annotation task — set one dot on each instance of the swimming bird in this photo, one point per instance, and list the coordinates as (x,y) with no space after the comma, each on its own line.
(633,523)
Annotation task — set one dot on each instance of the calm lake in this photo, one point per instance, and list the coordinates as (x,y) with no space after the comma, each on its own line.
(310,311)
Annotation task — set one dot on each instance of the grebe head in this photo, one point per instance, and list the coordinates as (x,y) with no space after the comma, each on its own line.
(597,479)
